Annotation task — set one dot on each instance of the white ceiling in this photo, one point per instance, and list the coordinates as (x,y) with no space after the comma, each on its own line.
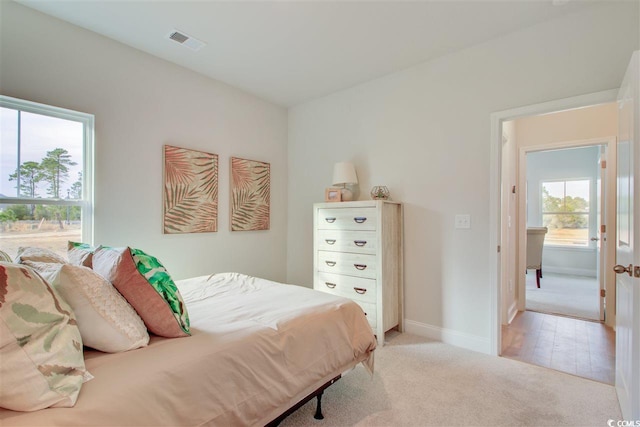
(289,52)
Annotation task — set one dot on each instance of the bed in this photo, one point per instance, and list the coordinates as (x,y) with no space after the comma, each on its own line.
(257,349)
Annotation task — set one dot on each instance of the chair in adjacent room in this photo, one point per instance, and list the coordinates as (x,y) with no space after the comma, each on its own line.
(535,242)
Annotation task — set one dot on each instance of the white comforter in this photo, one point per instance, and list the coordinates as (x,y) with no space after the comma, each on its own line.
(257,348)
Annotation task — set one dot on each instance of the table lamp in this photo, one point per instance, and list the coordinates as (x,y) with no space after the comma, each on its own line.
(344,173)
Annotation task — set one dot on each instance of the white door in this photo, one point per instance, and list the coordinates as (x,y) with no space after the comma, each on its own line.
(628,245)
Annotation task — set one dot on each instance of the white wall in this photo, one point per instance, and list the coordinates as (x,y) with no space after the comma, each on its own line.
(141,103)
(425,133)
(575,163)
(598,121)
(509,240)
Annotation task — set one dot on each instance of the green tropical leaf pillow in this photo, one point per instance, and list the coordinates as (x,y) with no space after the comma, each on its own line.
(40,344)
(148,287)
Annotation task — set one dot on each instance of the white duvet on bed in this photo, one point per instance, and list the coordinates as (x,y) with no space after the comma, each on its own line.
(257,348)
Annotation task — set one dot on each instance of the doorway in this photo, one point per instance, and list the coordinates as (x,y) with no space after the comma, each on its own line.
(564,197)
(555,141)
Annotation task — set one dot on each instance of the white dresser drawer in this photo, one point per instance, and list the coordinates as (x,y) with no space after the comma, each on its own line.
(356,288)
(370,312)
(359,265)
(346,219)
(363,242)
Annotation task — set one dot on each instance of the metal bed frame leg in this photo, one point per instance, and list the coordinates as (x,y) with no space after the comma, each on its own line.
(317,394)
(318,415)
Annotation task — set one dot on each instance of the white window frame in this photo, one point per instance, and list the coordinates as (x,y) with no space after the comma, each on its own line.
(588,214)
(86,202)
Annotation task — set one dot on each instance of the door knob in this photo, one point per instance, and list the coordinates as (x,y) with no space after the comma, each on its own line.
(594,239)
(622,269)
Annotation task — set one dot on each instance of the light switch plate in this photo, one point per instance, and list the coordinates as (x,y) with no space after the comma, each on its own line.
(463,221)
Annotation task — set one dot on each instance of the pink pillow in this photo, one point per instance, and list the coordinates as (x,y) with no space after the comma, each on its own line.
(147,286)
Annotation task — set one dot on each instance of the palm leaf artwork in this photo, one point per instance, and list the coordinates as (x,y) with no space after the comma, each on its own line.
(190,191)
(250,195)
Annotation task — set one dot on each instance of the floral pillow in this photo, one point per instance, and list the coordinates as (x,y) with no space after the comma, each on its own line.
(106,320)
(40,344)
(148,287)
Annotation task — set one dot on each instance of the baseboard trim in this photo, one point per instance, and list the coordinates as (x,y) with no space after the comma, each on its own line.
(448,336)
(570,271)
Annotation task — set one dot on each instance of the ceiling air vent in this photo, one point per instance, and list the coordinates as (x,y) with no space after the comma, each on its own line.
(186,40)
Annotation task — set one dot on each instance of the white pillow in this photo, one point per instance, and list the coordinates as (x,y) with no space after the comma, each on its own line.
(41,360)
(106,320)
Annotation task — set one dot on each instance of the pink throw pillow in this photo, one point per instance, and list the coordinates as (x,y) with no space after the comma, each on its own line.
(158,302)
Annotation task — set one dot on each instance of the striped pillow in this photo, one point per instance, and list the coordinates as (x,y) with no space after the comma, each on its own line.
(80,253)
(37,254)
(5,256)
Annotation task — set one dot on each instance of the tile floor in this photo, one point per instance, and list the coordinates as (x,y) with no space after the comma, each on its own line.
(579,347)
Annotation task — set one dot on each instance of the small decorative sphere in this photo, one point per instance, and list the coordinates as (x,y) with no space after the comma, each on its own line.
(380,192)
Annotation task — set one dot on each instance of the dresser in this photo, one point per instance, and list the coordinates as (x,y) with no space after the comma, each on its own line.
(358,254)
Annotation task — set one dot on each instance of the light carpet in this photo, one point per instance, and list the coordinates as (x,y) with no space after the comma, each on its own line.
(426,383)
(574,296)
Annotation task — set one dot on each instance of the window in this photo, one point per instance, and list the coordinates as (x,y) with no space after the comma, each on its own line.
(565,211)
(46,177)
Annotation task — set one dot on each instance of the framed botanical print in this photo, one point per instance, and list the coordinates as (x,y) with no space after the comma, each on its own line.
(190,191)
(250,195)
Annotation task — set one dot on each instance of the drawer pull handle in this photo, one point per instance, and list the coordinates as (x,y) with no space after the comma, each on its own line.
(330,263)
(330,241)
(330,285)
(360,266)
(360,291)
(360,219)
(360,243)
(330,219)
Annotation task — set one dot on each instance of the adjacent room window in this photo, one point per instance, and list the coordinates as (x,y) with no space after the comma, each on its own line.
(565,211)
(46,181)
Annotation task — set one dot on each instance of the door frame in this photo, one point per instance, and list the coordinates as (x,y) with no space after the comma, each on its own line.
(495,188)
(610,213)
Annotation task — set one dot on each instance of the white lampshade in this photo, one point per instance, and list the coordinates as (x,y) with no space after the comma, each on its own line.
(344,173)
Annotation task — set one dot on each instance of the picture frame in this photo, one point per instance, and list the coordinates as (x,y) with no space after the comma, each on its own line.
(332,194)
(250,195)
(190,191)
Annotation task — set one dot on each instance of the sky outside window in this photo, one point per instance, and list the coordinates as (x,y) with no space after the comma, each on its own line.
(39,134)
